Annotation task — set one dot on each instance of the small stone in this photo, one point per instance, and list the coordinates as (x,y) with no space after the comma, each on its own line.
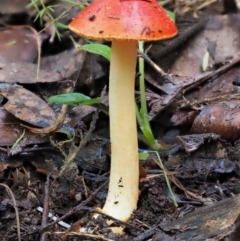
(78,197)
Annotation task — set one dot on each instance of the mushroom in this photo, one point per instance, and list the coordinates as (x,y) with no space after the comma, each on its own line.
(123,22)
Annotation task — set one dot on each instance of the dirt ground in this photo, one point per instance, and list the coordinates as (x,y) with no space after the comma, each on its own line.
(193,111)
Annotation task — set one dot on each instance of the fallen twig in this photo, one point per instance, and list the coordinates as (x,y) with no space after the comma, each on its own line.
(15,208)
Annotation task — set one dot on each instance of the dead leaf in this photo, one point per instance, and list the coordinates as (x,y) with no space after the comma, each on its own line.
(11,130)
(25,73)
(27,106)
(220,118)
(192,142)
(223,165)
(18,44)
(188,66)
(13,6)
(66,63)
(206,222)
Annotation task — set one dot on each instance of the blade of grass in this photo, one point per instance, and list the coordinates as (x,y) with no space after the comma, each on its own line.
(96,48)
(73,98)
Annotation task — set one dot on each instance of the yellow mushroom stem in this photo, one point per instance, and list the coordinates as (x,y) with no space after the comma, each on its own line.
(124,176)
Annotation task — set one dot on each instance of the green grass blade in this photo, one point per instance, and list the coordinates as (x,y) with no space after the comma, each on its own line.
(73,98)
(96,48)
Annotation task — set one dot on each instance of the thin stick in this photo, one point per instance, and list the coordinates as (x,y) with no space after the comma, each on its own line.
(155,66)
(87,235)
(15,208)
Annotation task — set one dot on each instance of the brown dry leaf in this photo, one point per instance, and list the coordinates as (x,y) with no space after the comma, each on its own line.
(56,67)
(205,223)
(79,113)
(18,44)
(44,167)
(13,6)
(3,166)
(25,73)
(220,38)
(27,106)
(67,62)
(193,142)
(220,118)
(221,48)
(17,6)
(223,165)
(6,161)
(184,118)
(188,67)
(11,130)
(24,202)
(193,6)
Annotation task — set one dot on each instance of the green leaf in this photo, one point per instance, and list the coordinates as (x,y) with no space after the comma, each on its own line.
(32,4)
(52,7)
(61,25)
(148,135)
(69,2)
(73,98)
(92,101)
(96,48)
(171,15)
(143,156)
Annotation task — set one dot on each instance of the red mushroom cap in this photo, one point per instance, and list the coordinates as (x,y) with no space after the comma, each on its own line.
(124,19)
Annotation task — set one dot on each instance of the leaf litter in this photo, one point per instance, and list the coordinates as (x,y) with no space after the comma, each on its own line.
(201,105)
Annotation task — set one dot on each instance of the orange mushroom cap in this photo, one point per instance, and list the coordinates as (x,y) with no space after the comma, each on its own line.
(124,20)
